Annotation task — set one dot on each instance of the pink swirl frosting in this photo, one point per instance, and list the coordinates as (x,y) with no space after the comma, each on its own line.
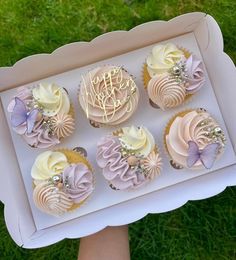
(108,95)
(39,137)
(51,200)
(195,74)
(188,128)
(116,169)
(165,91)
(79,179)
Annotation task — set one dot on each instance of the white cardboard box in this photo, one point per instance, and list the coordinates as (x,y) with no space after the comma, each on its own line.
(22,222)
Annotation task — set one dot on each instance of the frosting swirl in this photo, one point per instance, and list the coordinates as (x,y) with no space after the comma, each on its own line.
(24,94)
(189,127)
(162,58)
(165,91)
(137,139)
(39,137)
(48,164)
(53,99)
(63,125)
(50,199)
(108,95)
(195,77)
(79,179)
(116,169)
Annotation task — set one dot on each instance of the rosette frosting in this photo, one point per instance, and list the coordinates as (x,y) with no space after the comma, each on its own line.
(79,182)
(116,168)
(51,200)
(195,77)
(163,58)
(108,95)
(192,126)
(166,92)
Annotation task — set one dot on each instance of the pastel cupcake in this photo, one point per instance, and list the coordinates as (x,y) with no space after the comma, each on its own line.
(108,95)
(194,140)
(62,181)
(129,158)
(172,75)
(42,114)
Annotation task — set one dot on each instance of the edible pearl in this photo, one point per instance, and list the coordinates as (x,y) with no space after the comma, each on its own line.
(217,131)
(132,160)
(56,179)
(176,70)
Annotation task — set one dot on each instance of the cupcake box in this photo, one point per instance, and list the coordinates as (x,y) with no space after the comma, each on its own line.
(197,32)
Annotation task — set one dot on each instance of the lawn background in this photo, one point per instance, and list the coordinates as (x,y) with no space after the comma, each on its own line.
(199,230)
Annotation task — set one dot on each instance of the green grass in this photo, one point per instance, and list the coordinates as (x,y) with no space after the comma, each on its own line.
(199,230)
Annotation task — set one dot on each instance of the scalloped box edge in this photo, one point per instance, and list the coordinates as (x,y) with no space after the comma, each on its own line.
(222,73)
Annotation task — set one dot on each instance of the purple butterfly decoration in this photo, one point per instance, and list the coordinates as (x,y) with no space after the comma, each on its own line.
(20,115)
(207,156)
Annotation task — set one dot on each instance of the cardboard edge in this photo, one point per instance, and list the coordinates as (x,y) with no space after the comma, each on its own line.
(192,193)
(218,59)
(55,64)
(38,239)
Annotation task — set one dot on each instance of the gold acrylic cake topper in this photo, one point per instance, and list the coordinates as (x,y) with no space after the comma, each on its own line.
(105,92)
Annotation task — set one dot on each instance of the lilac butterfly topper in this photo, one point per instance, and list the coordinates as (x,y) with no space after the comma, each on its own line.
(20,115)
(207,156)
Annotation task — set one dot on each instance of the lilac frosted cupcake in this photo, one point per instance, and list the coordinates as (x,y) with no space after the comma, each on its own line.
(129,158)
(42,115)
(172,75)
(62,180)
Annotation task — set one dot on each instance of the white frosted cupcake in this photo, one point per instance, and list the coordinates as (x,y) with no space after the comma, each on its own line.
(42,114)
(62,180)
(108,95)
(172,75)
(194,140)
(129,158)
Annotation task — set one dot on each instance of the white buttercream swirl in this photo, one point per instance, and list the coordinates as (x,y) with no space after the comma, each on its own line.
(53,99)
(137,139)
(162,58)
(48,164)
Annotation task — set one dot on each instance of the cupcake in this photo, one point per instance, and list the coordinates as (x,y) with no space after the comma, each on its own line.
(172,75)
(108,95)
(42,114)
(129,158)
(62,181)
(194,140)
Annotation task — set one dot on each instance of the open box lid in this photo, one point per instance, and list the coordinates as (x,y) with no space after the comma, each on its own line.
(222,73)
